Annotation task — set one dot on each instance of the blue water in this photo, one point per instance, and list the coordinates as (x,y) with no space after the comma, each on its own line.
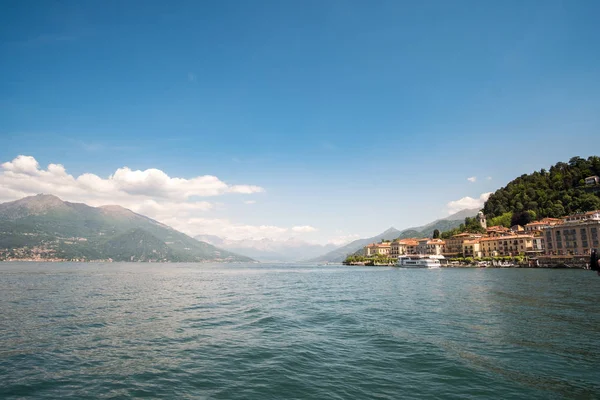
(296,332)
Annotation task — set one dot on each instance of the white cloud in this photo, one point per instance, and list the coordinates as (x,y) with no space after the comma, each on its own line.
(343,239)
(249,201)
(467,202)
(226,228)
(24,175)
(151,192)
(472,179)
(489,178)
(304,229)
(26,165)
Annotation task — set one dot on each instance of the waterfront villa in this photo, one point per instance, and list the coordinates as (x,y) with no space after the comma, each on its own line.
(510,245)
(377,249)
(577,235)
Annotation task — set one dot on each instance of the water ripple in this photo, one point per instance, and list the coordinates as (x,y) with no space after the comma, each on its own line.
(296,332)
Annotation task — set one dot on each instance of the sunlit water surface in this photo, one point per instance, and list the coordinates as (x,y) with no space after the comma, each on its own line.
(254,331)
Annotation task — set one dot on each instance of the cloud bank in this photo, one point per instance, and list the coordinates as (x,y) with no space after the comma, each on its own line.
(151,192)
(467,202)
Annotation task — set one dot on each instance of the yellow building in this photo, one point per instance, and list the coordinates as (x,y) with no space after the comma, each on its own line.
(374,249)
(454,245)
(512,245)
(436,247)
(397,248)
(471,248)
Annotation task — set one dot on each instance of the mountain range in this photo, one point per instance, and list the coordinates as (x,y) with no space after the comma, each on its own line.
(444,224)
(45,227)
(269,250)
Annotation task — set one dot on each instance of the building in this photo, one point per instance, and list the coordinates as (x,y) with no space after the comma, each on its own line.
(397,248)
(411,246)
(538,226)
(497,230)
(377,249)
(436,247)
(510,245)
(592,180)
(577,235)
(517,228)
(370,250)
(538,245)
(454,245)
(422,246)
(471,248)
(431,246)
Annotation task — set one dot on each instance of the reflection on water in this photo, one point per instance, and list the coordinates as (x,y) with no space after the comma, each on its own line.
(296,331)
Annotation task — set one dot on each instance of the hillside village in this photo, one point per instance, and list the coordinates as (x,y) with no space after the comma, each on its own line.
(545,242)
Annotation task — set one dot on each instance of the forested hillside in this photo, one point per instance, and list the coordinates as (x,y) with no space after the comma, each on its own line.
(553,193)
(45,227)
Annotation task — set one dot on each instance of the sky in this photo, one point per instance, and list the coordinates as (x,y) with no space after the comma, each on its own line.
(320,120)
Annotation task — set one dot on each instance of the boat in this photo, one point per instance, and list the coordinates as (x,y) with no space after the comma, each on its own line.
(419,261)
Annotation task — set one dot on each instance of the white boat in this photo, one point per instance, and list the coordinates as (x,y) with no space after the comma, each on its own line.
(419,261)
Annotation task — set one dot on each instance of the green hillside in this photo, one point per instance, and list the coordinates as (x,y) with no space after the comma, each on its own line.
(139,245)
(51,228)
(556,192)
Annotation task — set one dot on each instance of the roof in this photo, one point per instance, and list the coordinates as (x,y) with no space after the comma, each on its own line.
(497,228)
(436,241)
(459,235)
(509,237)
(410,242)
(551,221)
(536,223)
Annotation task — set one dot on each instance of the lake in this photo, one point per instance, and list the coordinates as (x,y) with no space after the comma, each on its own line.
(255,331)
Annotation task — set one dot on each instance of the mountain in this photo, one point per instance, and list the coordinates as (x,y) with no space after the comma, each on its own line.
(452,221)
(269,250)
(46,227)
(555,193)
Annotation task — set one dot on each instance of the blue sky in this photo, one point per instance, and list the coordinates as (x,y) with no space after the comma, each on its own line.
(350,116)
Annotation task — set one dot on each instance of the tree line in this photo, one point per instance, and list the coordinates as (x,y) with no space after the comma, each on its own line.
(551,193)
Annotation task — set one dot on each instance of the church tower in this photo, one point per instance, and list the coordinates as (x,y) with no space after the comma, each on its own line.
(482,220)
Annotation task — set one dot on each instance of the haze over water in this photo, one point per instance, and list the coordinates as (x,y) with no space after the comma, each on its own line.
(295,331)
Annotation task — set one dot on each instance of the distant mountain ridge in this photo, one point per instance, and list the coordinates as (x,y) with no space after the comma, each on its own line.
(443,224)
(46,227)
(269,250)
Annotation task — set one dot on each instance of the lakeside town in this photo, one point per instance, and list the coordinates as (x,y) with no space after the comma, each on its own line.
(550,242)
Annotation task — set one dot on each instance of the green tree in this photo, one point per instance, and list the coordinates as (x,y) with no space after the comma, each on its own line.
(521,218)
(556,192)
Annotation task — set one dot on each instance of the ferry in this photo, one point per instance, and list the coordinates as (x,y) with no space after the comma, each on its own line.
(419,261)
